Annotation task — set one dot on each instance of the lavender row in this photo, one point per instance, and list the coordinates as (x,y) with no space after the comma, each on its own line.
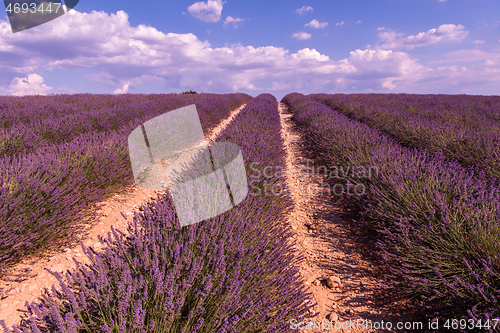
(61,118)
(231,273)
(435,224)
(31,109)
(46,194)
(477,112)
(32,122)
(455,140)
(481,113)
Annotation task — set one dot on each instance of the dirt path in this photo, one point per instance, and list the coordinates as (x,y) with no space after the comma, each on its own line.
(15,293)
(330,249)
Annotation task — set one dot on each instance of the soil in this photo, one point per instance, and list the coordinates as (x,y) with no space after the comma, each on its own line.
(320,224)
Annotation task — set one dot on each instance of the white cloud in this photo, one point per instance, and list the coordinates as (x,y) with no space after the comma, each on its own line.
(304,10)
(359,22)
(124,89)
(316,25)
(209,11)
(301,35)
(479,42)
(233,21)
(446,33)
(388,63)
(468,55)
(339,23)
(388,85)
(30,85)
(310,54)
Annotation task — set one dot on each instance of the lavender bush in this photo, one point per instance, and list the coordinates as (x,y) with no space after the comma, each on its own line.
(454,129)
(231,273)
(437,225)
(47,193)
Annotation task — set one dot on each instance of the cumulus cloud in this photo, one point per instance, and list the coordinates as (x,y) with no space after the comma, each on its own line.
(233,21)
(340,23)
(384,63)
(304,10)
(388,70)
(479,42)
(30,85)
(316,25)
(124,89)
(209,11)
(301,35)
(310,54)
(446,33)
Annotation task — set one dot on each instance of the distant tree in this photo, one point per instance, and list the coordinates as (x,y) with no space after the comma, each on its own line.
(189,92)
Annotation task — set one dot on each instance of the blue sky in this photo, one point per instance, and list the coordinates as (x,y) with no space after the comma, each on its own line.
(277,47)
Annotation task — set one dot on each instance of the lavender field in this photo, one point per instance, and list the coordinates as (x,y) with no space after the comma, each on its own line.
(60,154)
(433,212)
